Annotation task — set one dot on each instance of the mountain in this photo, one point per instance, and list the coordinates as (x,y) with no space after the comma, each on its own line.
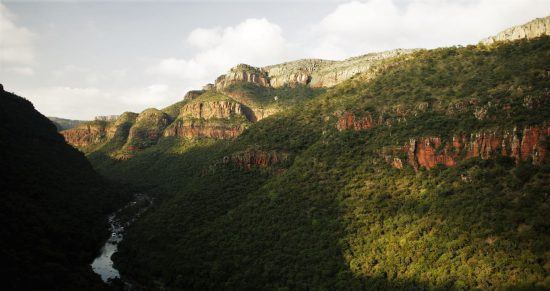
(223,110)
(63,124)
(425,169)
(533,29)
(53,204)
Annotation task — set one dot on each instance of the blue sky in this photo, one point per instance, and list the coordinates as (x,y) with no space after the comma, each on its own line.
(78,59)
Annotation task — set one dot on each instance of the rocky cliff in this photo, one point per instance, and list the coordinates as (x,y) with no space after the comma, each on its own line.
(532,29)
(242,73)
(196,128)
(529,143)
(211,109)
(86,134)
(312,72)
(209,118)
(96,132)
(255,158)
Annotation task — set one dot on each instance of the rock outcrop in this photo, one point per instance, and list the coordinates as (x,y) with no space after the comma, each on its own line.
(295,73)
(220,119)
(529,143)
(349,121)
(86,134)
(255,158)
(532,29)
(242,73)
(192,94)
(196,128)
(211,109)
(312,72)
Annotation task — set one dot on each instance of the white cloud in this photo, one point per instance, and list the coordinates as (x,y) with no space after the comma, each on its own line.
(253,41)
(87,102)
(16,43)
(23,71)
(205,38)
(359,27)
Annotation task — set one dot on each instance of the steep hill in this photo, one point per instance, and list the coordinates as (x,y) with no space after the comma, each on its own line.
(53,204)
(431,173)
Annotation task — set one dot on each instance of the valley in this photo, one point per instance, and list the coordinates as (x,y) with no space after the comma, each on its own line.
(408,169)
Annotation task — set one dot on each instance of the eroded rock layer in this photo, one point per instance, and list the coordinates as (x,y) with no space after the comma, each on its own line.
(529,143)
(532,29)
(85,134)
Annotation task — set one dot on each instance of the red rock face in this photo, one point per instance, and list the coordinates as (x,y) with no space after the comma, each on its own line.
(256,158)
(428,152)
(349,121)
(84,135)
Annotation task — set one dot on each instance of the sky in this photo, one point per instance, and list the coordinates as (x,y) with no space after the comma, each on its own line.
(78,59)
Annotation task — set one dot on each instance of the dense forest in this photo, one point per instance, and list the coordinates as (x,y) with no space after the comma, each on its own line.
(54,205)
(305,199)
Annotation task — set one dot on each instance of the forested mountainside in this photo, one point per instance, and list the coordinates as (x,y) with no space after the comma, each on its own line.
(54,205)
(430,170)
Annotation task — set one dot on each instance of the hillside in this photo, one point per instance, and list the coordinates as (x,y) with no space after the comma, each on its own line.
(63,124)
(53,204)
(431,173)
(237,99)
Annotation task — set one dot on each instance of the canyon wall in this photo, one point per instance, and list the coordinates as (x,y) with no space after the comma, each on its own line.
(528,143)
(86,134)
(312,72)
(532,29)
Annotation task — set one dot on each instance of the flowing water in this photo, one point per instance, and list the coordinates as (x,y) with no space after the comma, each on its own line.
(118,221)
(103,265)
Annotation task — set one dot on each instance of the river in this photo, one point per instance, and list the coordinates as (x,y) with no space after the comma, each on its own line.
(118,222)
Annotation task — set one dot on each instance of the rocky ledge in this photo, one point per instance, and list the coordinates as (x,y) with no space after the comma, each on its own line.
(529,143)
(532,29)
(312,72)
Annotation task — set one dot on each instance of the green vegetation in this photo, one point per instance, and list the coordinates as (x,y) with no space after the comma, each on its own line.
(338,216)
(53,206)
(257,96)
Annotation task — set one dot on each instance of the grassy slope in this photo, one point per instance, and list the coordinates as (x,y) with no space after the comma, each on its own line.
(53,204)
(339,216)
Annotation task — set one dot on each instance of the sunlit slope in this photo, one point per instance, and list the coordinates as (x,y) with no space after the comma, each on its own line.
(432,175)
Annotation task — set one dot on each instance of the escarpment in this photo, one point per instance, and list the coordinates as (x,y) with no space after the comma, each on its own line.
(213,109)
(315,73)
(86,134)
(526,144)
(251,158)
(220,119)
(536,28)
(242,73)
(190,128)
(96,132)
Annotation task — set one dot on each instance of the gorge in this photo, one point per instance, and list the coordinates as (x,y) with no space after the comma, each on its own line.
(409,169)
